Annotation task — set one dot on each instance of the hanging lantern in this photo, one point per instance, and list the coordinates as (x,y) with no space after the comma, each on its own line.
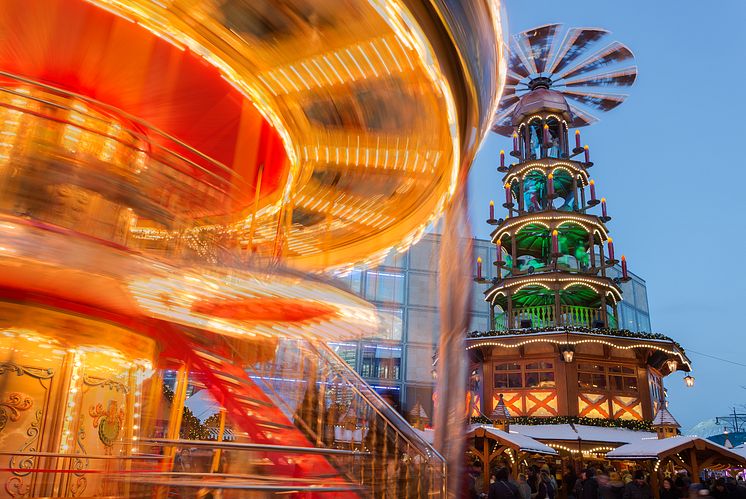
(672,364)
(567,354)
(689,381)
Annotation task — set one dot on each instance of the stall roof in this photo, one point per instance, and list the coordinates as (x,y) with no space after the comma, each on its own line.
(521,443)
(584,433)
(657,449)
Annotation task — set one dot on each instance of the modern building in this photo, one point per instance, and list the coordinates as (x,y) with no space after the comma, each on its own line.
(398,362)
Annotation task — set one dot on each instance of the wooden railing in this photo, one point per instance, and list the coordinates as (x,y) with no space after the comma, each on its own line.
(545,316)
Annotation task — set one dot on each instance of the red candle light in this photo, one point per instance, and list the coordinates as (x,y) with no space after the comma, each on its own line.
(492,210)
(546,134)
(479,268)
(577,139)
(508,198)
(593,190)
(624,267)
(502,159)
(550,184)
(611,248)
(499,251)
(515,141)
(603,207)
(587,154)
(555,242)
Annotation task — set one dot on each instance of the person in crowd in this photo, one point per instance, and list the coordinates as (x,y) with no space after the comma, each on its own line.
(626,477)
(718,490)
(545,469)
(501,488)
(568,483)
(531,480)
(637,488)
(590,484)
(669,490)
(546,490)
(616,485)
(523,487)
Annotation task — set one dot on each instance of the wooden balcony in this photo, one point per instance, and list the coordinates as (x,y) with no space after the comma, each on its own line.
(546,316)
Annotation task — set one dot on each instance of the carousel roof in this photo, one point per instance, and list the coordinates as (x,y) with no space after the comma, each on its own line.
(659,448)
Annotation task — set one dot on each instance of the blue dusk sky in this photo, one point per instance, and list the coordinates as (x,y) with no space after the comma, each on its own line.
(671,162)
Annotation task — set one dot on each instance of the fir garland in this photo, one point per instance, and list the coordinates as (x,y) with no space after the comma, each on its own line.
(629,424)
(621,333)
(195,429)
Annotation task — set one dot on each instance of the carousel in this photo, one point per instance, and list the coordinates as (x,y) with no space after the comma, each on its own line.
(179,180)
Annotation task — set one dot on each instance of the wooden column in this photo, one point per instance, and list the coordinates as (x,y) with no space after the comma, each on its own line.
(557,307)
(521,206)
(603,260)
(591,244)
(654,484)
(486,462)
(511,322)
(694,465)
(514,251)
(575,191)
(604,316)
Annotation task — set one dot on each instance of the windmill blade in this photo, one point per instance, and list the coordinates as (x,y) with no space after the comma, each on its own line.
(581,118)
(501,123)
(513,76)
(613,54)
(618,78)
(576,42)
(538,43)
(597,100)
(517,61)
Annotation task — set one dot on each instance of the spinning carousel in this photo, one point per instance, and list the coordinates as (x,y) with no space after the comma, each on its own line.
(178,179)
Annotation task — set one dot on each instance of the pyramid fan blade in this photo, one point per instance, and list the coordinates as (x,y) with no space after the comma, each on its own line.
(596,100)
(501,122)
(577,41)
(618,78)
(508,101)
(613,54)
(581,117)
(537,42)
(516,63)
(511,78)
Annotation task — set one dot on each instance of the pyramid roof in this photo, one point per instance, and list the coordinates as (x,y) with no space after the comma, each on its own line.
(418,411)
(664,418)
(501,412)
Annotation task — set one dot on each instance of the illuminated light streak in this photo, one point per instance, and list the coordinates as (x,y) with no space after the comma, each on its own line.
(112,11)
(290,80)
(405,52)
(357,151)
(356,64)
(381,58)
(300,78)
(267,85)
(366,58)
(312,76)
(392,54)
(322,71)
(278,82)
(378,146)
(344,66)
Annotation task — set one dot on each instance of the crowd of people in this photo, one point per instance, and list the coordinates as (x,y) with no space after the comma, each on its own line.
(592,483)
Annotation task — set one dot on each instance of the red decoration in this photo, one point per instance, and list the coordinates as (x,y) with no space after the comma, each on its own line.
(479,268)
(577,138)
(587,154)
(502,159)
(508,198)
(499,251)
(611,248)
(603,207)
(624,267)
(550,184)
(515,141)
(546,134)
(492,210)
(593,190)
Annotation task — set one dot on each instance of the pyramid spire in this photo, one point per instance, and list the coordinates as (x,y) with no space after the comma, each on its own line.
(664,423)
(417,415)
(500,416)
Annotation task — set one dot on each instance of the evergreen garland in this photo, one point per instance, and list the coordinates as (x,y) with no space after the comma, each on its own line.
(629,424)
(621,333)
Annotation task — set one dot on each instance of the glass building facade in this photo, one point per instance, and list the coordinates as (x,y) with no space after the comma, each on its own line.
(398,361)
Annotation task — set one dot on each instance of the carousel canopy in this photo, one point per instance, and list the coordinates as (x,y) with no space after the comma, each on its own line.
(708,453)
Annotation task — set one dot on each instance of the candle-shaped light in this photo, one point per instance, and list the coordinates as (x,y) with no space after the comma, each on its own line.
(515,141)
(555,242)
(577,139)
(546,134)
(502,158)
(603,208)
(479,268)
(550,185)
(492,210)
(611,248)
(587,154)
(508,198)
(499,251)
(624,267)
(593,190)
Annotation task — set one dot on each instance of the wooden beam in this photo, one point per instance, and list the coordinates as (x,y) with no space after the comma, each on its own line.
(654,482)
(681,463)
(476,452)
(499,451)
(708,462)
(695,467)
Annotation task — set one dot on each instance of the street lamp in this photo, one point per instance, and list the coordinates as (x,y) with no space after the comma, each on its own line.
(672,364)
(689,381)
